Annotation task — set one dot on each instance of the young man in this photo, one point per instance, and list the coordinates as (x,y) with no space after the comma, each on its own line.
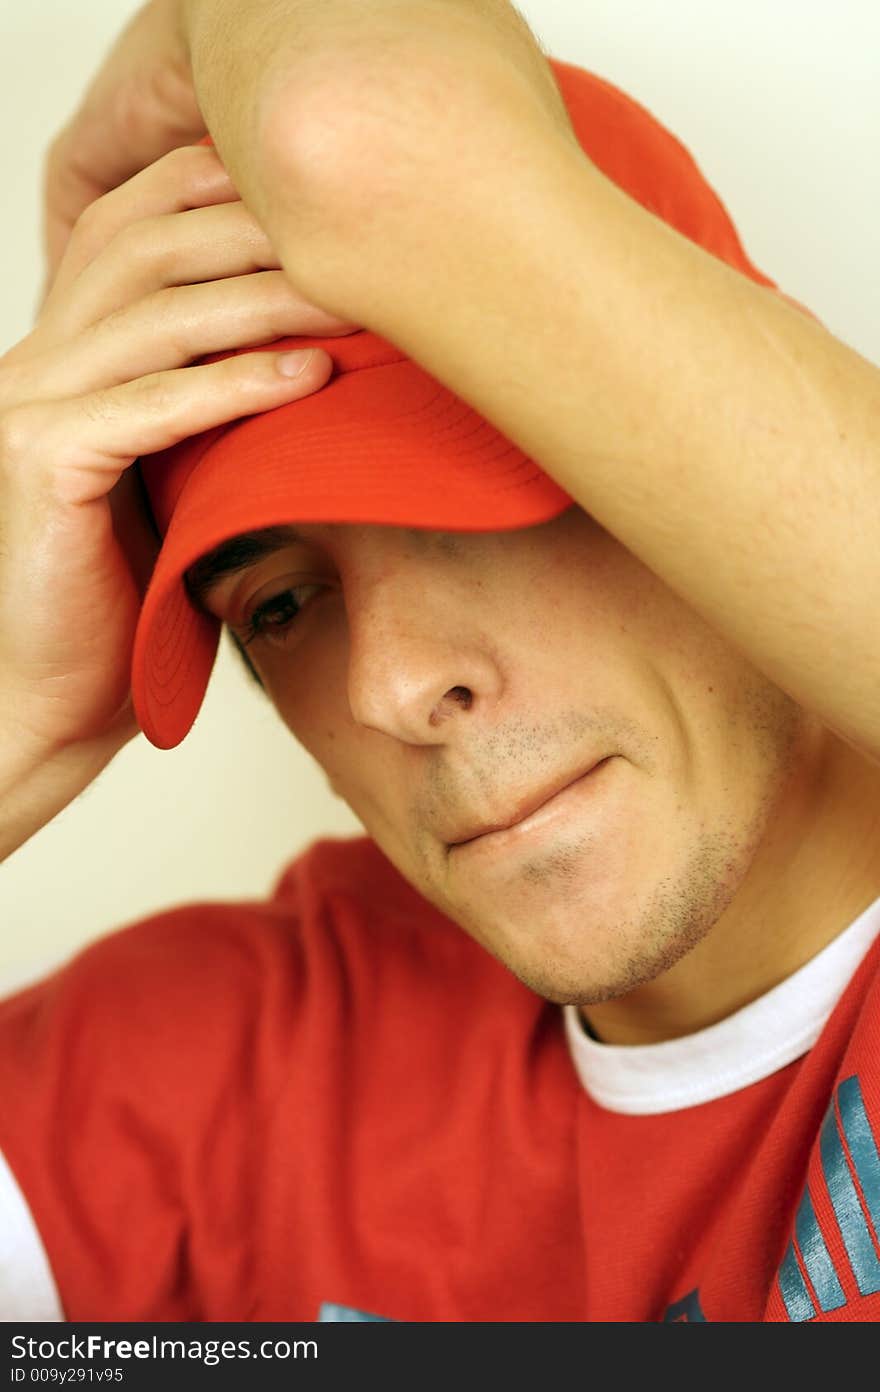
(613,717)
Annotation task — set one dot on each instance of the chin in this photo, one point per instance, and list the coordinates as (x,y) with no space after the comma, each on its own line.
(562,958)
(587,971)
(588,909)
(584,947)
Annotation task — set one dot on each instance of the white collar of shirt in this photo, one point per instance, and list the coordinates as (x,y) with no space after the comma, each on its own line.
(767,1034)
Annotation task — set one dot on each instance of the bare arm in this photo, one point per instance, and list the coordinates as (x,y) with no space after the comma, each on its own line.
(727,440)
(37,783)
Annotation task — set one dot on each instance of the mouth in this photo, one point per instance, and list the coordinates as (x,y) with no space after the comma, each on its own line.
(530,811)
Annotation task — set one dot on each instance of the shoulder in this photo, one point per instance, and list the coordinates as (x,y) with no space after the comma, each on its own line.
(140,1082)
(195,981)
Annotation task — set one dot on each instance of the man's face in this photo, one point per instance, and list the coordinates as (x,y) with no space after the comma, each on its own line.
(458,689)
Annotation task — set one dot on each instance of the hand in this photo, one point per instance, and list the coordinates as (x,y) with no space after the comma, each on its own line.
(167,268)
(140,105)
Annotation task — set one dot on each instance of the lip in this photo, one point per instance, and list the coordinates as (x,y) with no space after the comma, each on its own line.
(526,808)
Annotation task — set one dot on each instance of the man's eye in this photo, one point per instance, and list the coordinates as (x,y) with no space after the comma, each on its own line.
(275,616)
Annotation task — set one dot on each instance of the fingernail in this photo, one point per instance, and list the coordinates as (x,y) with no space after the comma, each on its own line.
(292,364)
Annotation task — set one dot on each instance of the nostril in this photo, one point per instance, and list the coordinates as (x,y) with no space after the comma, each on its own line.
(460,696)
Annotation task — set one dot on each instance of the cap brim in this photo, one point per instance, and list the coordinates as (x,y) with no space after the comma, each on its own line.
(386,445)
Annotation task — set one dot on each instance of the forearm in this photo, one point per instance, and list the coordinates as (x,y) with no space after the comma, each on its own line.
(726,439)
(37,784)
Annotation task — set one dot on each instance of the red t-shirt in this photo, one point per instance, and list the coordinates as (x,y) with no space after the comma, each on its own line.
(335,1102)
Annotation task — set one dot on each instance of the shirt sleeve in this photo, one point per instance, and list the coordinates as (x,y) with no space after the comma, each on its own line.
(27,1286)
(132,1083)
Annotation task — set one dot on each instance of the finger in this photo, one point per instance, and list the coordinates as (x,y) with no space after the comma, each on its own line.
(69,187)
(203,244)
(192,176)
(91,440)
(86,160)
(67,191)
(167,330)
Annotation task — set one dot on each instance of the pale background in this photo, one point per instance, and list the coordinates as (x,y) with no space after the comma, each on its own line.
(779,100)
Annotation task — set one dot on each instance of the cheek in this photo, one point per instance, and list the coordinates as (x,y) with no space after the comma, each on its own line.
(309,689)
(308,686)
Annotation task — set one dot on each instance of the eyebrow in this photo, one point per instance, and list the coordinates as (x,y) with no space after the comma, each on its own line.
(233,556)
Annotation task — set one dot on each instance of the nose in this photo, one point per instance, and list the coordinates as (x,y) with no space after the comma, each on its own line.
(419,669)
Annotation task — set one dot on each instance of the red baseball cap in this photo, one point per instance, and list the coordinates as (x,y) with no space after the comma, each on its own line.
(382,442)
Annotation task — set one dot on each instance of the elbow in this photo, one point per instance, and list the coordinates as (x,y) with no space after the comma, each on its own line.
(327,142)
(344,176)
(368,130)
